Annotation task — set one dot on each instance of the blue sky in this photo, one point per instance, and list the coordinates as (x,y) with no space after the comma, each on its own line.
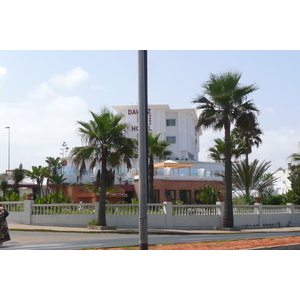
(44,93)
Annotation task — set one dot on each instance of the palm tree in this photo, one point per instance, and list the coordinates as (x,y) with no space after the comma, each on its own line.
(253,177)
(209,194)
(294,169)
(156,148)
(217,152)
(55,164)
(105,144)
(4,187)
(38,174)
(18,176)
(247,130)
(295,157)
(51,172)
(223,103)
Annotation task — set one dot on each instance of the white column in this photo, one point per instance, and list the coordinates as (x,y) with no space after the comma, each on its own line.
(168,210)
(259,214)
(28,211)
(220,206)
(291,207)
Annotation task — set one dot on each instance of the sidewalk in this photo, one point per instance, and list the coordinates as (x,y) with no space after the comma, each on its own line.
(22,227)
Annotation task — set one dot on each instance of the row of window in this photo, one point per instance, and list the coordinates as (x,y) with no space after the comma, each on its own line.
(171,139)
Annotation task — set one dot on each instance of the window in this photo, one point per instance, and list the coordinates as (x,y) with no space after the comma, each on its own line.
(170,195)
(171,122)
(185,196)
(196,199)
(171,139)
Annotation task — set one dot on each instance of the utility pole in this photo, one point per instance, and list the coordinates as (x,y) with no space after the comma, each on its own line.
(143,149)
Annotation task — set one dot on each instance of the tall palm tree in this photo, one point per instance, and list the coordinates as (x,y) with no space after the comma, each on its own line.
(247,130)
(223,103)
(156,148)
(247,178)
(105,144)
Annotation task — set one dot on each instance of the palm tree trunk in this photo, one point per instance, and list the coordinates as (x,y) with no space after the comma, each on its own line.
(227,220)
(102,200)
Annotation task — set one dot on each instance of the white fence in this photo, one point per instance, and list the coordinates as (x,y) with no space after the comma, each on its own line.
(162,215)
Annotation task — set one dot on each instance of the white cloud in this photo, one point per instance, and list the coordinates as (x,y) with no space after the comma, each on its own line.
(97,87)
(3,73)
(37,131)
(39,124)
(277,146)
(42,92)
(71,79)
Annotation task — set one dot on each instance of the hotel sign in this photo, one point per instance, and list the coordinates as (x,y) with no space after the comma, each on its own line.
(131,112)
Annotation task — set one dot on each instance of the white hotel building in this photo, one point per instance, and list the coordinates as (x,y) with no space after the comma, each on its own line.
(175,125)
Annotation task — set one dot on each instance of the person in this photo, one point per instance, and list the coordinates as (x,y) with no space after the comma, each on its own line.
(4,233)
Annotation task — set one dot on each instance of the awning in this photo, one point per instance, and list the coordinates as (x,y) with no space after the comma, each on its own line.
(173,164)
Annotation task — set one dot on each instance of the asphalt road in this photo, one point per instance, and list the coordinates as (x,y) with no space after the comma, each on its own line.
(26,240)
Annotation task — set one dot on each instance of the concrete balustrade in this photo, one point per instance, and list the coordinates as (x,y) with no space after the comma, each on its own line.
(160,215)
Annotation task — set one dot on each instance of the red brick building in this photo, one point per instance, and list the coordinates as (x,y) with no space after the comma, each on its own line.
(174,190)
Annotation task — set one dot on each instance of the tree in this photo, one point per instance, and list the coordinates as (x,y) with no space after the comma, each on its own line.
(295,158)
(209,194)
(52,173)
(38,174)
(156,148)
(248,178)
(55,165)
(217,152)
(223,103)
(105,144)
(294,177)
(4,187)
(17,176)
(247,130)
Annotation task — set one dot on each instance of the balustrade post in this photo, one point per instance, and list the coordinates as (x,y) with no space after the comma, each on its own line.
(220,210)
(168,210)
(291,208)
(27,211)
(96,208)
(259,213)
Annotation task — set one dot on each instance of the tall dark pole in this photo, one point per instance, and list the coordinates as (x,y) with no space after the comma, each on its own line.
(143,149)
(8,159)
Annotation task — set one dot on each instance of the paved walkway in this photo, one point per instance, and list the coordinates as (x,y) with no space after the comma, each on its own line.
(20,227)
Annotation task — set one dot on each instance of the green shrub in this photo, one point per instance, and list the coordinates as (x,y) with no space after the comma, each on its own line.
(93,222)
(276,200)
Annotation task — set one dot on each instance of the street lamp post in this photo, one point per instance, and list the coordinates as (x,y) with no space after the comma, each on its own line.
(143,149)
(8,159)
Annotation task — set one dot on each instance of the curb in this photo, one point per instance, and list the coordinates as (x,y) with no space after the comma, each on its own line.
(282,247)
(136,231)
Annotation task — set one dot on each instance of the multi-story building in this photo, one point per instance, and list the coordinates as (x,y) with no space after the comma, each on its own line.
(176,126)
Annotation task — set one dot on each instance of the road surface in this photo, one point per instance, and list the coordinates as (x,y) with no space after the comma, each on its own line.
(26,240)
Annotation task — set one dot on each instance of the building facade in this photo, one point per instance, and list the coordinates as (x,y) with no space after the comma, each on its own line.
(177,126)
